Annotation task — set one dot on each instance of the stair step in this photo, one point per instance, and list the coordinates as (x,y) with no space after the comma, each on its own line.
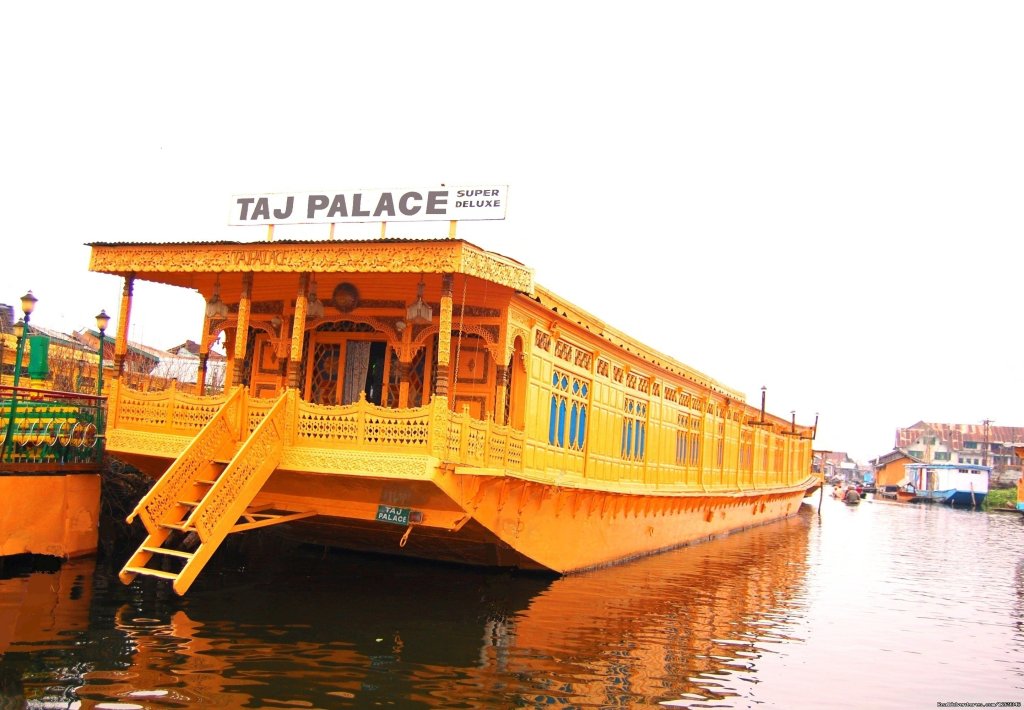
(189,503)
(151,572)
(183,526)
(206,482)
(166,551)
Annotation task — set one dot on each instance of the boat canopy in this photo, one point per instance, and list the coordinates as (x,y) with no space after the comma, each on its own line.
(200,265)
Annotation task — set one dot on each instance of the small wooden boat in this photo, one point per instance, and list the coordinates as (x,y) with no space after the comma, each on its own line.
(904,495)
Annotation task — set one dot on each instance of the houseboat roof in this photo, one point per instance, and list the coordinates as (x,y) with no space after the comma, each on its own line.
(949,466)
(199,265)
(185,264)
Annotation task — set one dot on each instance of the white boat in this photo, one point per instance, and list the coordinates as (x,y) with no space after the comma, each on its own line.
(957,484)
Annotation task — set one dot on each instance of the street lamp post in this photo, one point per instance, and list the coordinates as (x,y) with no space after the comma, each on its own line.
(21,329)
(102,321)
(28,304)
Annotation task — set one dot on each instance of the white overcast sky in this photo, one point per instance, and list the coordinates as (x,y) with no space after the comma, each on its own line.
(824,198)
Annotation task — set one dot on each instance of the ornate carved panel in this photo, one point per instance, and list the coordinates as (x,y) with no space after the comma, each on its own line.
(542,340)
(341,256)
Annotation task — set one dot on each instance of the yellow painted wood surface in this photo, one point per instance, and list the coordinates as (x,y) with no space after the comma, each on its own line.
(54,515)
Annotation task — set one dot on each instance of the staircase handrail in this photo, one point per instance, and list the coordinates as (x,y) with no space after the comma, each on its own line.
(244,476)
(222,429)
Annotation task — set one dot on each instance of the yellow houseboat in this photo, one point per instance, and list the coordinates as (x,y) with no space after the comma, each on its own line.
(425,397)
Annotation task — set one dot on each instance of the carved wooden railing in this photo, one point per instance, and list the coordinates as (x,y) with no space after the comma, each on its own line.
(482,443)
(430,430)
(168,411)
(217,436)
(363,426)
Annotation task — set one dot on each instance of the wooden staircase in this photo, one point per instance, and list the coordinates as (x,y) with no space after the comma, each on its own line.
(204,496)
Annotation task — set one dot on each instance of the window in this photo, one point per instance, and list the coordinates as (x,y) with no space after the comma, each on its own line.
(720,445)
(634,429)
(567,423)
(681,435)
(687,440)
(746,450)
(942,456)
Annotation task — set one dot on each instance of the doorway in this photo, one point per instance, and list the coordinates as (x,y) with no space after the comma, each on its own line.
(342,366)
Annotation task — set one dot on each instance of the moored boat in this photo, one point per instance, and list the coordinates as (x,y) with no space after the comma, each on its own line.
(435,403)
(905,495)
(910,494)
(1019,450)
(956,484)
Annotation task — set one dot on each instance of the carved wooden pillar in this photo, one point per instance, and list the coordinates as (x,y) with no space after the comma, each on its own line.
(229,348)
(121,344)
(201,373)
(204,357)
(242,330)
(444,336)
(401,371)
(298,330)
(404,367)
(501,375)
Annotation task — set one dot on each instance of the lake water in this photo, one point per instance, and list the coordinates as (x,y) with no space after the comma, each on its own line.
(881,605)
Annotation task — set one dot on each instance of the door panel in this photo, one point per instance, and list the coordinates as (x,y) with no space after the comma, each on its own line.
(324,373)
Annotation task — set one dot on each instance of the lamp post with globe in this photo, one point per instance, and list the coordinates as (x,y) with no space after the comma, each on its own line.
(21,330)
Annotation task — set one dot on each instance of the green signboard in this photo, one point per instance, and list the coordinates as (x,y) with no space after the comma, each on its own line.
(390,514)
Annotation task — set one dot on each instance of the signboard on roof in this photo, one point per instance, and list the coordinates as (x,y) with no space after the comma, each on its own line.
(476,202)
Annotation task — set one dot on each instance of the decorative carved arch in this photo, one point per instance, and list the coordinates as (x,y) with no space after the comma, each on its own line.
(515,331)
(493,348)
(261,322)
(385,327)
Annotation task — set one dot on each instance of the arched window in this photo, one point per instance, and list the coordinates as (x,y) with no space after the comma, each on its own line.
(567,424)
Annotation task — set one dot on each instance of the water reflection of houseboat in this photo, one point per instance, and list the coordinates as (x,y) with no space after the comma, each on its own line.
(427,398)
(43,603)
(654,629)
(38,608)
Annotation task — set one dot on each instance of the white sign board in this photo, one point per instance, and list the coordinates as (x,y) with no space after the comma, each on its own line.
(401,205)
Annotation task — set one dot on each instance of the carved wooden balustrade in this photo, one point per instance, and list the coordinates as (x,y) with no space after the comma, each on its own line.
(482,443)
(212,438)
(430,430)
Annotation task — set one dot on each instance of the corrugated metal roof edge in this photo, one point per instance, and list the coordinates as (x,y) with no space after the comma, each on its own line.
(263,243)
(309,242)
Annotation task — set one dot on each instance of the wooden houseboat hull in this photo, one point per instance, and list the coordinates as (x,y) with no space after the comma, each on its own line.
(498,520)
(966,499)
(531,526)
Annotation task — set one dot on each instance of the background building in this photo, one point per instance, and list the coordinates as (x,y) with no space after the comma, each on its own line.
(838,466)
(984,444)
(890,469)
(72,360)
